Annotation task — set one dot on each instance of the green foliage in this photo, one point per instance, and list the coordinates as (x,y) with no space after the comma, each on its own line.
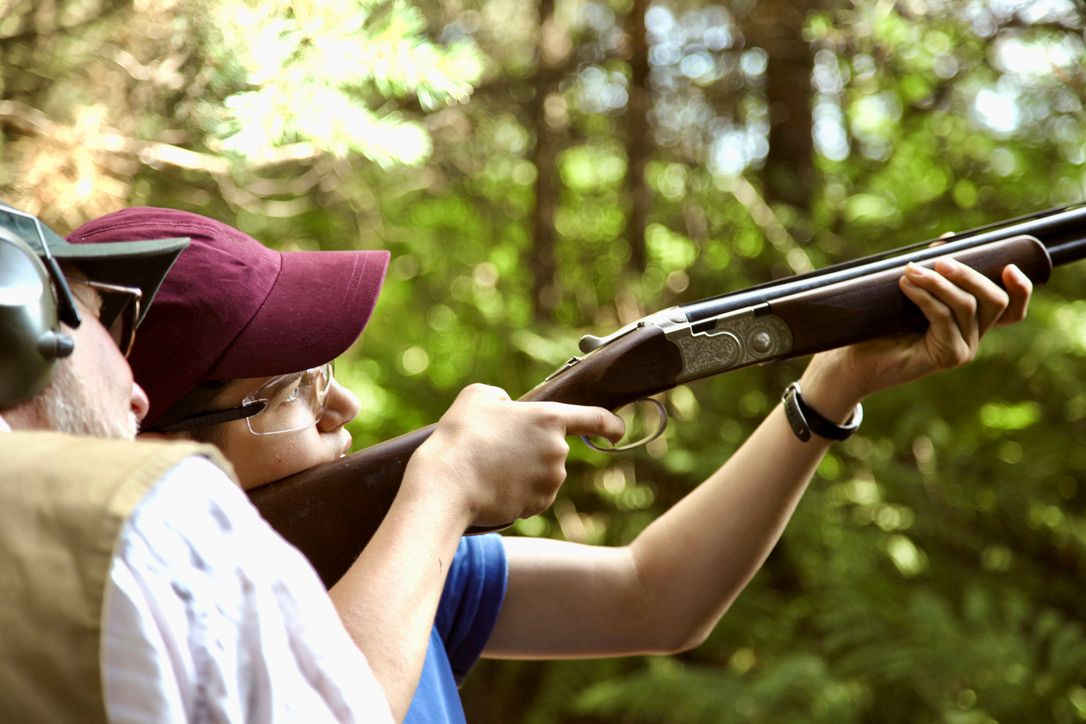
(312,72)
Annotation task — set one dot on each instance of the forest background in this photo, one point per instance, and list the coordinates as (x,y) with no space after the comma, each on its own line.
(542,170)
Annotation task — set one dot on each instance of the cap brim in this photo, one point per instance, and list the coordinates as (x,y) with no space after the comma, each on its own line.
(314,313)
(142,264)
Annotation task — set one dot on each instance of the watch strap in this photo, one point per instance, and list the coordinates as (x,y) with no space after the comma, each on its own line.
(805,420)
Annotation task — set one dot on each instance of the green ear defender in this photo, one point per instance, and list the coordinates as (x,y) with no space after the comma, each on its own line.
(30,338)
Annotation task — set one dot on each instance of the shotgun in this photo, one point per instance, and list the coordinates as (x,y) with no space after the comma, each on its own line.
(330,511)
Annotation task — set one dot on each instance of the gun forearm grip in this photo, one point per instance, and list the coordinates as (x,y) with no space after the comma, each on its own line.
(874,305)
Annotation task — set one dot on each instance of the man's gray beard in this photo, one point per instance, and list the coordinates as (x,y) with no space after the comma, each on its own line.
(67,404)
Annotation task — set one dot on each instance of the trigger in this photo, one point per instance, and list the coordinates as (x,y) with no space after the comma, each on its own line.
(660,409)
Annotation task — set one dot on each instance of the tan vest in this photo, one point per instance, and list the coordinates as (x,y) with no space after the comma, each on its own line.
(63,502)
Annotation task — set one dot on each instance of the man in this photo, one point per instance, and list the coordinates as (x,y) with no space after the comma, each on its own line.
(560,599)
(137,582)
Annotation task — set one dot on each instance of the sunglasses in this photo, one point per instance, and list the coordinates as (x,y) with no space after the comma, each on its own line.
(119,312)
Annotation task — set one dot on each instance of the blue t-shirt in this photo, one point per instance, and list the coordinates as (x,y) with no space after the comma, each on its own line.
(473,595)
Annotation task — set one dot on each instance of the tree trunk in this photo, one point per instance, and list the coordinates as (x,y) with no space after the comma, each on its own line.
(776,26)
(638,135)
(551,50)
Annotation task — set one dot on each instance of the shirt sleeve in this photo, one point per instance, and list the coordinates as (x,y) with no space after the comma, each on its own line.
(471,600)
(211,615)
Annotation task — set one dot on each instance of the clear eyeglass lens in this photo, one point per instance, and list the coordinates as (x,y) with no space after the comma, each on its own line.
(292,402)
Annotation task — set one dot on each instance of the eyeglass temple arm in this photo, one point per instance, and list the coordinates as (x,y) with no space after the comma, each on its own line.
(211,418)
(66,308)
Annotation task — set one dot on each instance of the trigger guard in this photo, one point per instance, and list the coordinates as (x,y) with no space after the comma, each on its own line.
(639,443)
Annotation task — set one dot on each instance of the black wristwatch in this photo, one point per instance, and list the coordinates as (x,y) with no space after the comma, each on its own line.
(805,420)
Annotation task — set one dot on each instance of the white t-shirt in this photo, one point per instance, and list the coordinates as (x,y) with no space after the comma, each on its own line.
(211,616)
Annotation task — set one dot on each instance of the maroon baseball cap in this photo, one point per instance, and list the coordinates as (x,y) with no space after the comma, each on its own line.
(231,307)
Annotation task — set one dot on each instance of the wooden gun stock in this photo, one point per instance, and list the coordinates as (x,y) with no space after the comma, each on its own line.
(330,512)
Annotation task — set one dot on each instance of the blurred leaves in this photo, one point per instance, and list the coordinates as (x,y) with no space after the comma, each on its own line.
(308,72)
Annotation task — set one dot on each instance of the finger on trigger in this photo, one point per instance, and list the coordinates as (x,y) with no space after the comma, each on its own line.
(592,421)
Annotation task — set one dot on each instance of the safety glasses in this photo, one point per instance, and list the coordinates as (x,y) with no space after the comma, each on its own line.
(285,403)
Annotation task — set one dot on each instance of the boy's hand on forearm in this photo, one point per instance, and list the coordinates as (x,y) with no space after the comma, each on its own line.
(497,459)
(961,305)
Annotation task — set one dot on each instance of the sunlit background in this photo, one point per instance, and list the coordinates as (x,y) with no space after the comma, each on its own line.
(542,170)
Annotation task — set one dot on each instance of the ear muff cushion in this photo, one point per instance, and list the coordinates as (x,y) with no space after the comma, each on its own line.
(28,313)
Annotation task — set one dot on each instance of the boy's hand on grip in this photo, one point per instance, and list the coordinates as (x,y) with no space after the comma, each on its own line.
(497,459)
